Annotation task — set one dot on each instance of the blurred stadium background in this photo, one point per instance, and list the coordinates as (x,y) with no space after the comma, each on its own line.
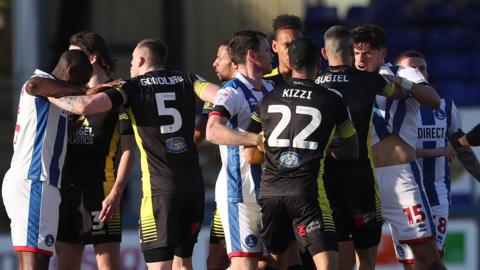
(34,33)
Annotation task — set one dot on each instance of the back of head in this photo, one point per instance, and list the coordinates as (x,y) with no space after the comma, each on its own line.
(338,42)
(287,21)
(93,43)
(74,67)
(371,34)
(157,52)
(303,54)
(242,42)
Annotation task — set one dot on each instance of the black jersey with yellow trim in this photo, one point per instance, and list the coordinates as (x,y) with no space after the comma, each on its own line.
(298,119)
(92,145)
(275,77)
(358,89)
(160,105)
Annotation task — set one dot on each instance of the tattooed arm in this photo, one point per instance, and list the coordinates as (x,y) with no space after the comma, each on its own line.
(466,156)
(96,103)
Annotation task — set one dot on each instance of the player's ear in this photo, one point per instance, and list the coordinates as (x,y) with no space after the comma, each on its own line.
(324,53)
(251,55)
(274,46)
(92,58)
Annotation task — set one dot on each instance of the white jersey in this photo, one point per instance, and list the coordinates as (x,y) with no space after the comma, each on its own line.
(238,181)
(39,140)
(397,116)
(434,127)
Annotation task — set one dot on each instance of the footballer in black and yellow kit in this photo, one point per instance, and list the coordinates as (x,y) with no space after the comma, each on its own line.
(350,184)
(160,105)
(298,119)
(88,176)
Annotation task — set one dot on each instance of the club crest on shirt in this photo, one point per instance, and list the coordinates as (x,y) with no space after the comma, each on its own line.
(439,114)
(400,251)
(176,145)
(289,159)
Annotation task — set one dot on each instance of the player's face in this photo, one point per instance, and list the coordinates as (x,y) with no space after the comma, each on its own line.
(264,57)
(415,62)
(135,63)
(280,44)
(368,58)
(223,65)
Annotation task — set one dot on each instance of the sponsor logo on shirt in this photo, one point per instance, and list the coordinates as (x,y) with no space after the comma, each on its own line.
(176,145)
(289,159)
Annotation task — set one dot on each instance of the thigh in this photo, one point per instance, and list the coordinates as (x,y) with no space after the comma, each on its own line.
(93,193)
(241,224)
(404,204)
(277,231)
(314,227)
(159,216)
(190,222)
(70,218)
(32,207)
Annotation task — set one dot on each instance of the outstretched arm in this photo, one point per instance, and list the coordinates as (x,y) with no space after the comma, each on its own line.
(84,104)
(465,155)
(219,133)
(424,94)
(45,87)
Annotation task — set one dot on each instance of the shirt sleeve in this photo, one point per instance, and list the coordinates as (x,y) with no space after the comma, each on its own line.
(198,82)
(385,88)
(455,120)
(255,123)
(119,94)
(227,102)
(411,74)
(124,123)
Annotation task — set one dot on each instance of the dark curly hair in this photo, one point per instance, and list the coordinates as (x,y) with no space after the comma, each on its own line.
(287,21)
(370,33)
(93,43)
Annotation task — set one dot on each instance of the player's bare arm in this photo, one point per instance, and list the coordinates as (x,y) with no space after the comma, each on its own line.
(84,104)
(424,94)
(112,201)
(218,133)
(447,152)
(466,156)
(45,87)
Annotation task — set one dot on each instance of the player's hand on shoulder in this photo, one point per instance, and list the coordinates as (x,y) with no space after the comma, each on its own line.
(104,86)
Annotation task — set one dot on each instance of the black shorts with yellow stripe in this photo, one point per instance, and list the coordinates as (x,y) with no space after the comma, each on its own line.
(79,214)
(217,236)
(171,220)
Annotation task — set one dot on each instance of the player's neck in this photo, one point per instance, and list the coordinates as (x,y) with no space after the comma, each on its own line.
(99,76)
(254,77)
(307,75)
(285,72)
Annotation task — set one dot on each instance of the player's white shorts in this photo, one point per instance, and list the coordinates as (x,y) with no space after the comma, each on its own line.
(32,207)
(404,205)
(440,219)
(242,223)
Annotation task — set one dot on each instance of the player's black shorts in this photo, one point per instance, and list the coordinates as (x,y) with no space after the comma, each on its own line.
(285,218)
(217,235)
(171,220)
(79,214)
(355,201)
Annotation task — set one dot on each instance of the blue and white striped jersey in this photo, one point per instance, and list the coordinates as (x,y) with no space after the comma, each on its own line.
(434,127)
(397,116)
(238,181)
(39,140)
